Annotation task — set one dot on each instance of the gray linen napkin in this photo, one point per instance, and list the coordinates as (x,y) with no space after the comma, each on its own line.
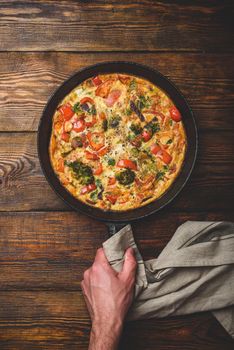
(194,272)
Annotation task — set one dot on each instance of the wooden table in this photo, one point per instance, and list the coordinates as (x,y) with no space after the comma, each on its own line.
(44,246)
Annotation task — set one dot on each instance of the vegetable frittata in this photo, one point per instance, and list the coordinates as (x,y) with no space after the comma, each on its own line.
(117,142)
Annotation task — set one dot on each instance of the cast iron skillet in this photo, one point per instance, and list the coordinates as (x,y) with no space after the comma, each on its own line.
(116,219)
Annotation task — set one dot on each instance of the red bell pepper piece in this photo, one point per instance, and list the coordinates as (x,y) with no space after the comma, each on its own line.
(127,163)
(66,111)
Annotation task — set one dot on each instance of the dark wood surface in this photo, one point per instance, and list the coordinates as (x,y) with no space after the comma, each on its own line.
(44,246)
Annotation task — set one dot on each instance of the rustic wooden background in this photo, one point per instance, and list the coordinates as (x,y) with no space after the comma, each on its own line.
(44,246)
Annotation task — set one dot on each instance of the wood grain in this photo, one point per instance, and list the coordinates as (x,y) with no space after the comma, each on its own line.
(28,79)
(24,187)
(49,320)
(50,251)
(44,246)
(114,26)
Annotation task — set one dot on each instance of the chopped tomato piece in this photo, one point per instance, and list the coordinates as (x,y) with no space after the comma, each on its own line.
(98,170)
(92,122)
(86,99)
(146,135)
(166,157)
(96,80)
(103,151)
(65,136)
(112,97)
(90,155)
(66,111)
(175,114)
(155,148)
(96,140)
(88,188)
(161,153)
(111,180)
(60,166)
(111,198)
(79,125)
(127,163)
(104,89)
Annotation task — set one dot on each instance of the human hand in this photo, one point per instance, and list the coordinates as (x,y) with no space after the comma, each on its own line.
(108,296)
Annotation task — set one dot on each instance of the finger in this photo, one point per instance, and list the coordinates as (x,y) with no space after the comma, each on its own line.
(129,266)
(101,257)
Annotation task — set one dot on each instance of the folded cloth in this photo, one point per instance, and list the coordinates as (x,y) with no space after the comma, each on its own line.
(194,272)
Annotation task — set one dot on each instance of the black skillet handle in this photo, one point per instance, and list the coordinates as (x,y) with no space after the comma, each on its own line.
(114,228)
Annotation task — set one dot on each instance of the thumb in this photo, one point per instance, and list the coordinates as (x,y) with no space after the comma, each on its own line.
(130,265)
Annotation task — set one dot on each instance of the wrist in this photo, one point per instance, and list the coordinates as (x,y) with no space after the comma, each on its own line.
(105,335)
(106,326)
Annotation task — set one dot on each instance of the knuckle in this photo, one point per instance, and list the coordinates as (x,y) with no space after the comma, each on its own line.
(86,274)
(95,268)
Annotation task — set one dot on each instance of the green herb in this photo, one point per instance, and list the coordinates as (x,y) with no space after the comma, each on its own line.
(152,127)
(160,175)
(170,122)
(82,172)
(98,182)
(128,112)
(136,129)
(76,108)
(100,188)
(92,110)
(125,177)
(169,141)
(134,152)
(133,85)
(131,137)
(143,102)
(94,195)
(111,161)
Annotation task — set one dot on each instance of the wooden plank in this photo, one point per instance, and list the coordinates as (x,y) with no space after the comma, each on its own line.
(28,79)
(49,320)
(50,251)
(25,188)
(123,25)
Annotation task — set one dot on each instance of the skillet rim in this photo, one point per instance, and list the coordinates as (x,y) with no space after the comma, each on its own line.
(181,179)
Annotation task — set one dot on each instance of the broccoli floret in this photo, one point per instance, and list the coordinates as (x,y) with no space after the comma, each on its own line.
(125,177)
(82,172)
